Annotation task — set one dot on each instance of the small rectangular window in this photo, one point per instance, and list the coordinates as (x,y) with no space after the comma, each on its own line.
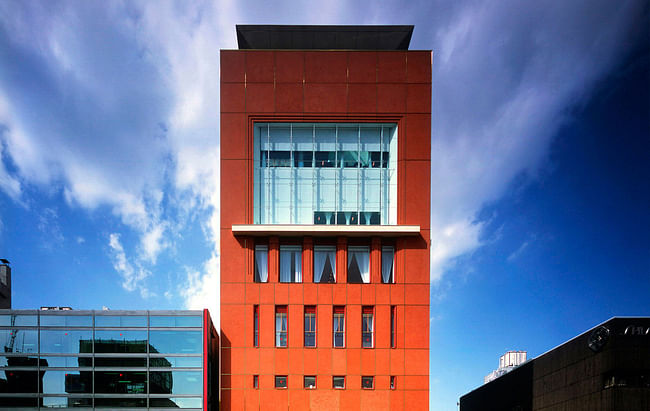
(359,265)
(310,382)
(280,381)
(367,327)
(261,264)
(310,326)
(339,326)
(256,326)
(393,326)
(367,383)
(281,326)
(338,382)
(290,264)
(324,264)
(387,263)
(256,381)
(392,382)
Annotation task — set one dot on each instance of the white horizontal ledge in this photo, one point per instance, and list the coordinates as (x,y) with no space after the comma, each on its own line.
(323,230)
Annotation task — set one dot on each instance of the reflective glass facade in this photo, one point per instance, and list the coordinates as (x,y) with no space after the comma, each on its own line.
(107,359)
(325,173)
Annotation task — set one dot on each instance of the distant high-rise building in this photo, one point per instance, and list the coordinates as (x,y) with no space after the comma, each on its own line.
(507,362)
(5,284)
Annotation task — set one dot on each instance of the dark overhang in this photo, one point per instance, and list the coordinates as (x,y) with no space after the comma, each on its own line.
(278,37)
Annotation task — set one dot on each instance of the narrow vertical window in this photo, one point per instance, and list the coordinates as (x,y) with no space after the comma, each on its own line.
(339,326)
(256,326)
(393,326)
(290,264)
(387,263)
(261,263)
(367,383)
(310,326)
(256,381)
(392,382)
(367,327)
(324,264)
(358,265)
(281,326)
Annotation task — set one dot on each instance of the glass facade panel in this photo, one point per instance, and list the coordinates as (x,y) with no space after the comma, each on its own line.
(173,341)
(175,362)
(67,382)
(66,341)
(66,402)
(176,321)
(19,341)
(315,173)
(121,382)
(176,402)
(120,321)
(70,362)
(120,362)
(66,321)
(18,320)
(120,402)
(18,381)
(176,382)
(121,341)
(18,402)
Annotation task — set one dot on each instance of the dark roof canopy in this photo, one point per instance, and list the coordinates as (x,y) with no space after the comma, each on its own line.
(279,37)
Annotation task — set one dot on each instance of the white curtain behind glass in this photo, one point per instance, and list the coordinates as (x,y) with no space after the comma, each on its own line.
(262,262)
(362,256)
(321,255)
(387,257)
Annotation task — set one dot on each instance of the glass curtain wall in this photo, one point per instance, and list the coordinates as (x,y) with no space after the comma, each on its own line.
(325,173)
(102,360)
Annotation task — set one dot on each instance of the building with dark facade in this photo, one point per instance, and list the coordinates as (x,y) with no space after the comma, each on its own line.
(108,359)
(325,208)
(605,368)
(5,284)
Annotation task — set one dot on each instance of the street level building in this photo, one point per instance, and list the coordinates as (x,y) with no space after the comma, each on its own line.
(325,207)
(607,368)
(67,359)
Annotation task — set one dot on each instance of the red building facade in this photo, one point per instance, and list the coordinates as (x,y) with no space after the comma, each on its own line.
(325,205)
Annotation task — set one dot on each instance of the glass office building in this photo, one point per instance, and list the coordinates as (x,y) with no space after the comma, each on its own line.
(108,359)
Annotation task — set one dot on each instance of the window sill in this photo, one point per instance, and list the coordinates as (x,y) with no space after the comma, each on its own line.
(323,230)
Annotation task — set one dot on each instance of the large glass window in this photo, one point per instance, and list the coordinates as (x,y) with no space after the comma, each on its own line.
(121,341)
(176,382)
(66,341)
(367,328)
(18,381)
(67,382)
(18,320)
(66,320)
(120,321)
(358,265)
(121,382)
(175,321)
(281,326)
(387,258)
(310,326)
(324,264)
(261,263)
(174,341)
(290,264)
(19,341)
(325,173)
(339,326)
(69,362)
(338,381)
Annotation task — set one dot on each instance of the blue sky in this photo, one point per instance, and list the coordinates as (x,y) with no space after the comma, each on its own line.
(540,150)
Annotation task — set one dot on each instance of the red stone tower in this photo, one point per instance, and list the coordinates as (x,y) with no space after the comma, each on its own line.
(325,204)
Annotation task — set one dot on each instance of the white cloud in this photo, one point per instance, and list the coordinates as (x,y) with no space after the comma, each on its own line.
(513,256)
(202,288)
(506,75)
(132,277)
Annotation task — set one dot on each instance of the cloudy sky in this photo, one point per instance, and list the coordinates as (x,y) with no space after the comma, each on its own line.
(109,150)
